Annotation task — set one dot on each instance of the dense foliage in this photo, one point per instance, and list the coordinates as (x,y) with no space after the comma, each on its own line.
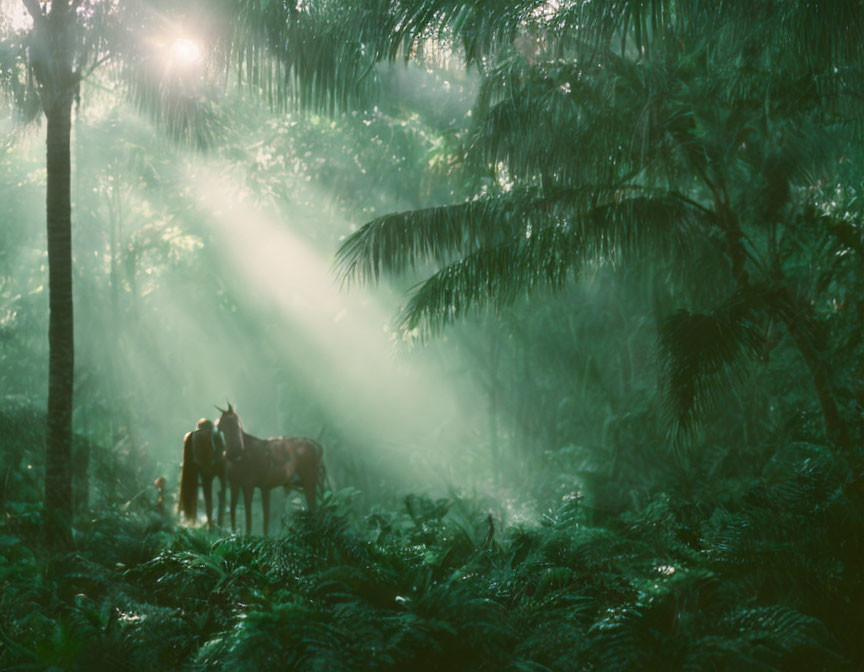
(617,424)
(755,569)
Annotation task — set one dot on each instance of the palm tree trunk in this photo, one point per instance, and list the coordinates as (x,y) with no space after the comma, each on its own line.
(58,440)
(802,326)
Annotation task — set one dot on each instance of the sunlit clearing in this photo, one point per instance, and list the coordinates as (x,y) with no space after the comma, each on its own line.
(184,51)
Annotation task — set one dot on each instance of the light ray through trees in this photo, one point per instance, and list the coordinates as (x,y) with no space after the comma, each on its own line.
(341,343)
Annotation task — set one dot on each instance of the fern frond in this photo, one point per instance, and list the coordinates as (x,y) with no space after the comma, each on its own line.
(776,632)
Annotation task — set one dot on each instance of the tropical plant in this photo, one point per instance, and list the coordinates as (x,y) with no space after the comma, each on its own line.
(675,584)
(695,141)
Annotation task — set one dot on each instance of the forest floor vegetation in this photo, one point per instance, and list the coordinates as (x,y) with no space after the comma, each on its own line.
(767,579)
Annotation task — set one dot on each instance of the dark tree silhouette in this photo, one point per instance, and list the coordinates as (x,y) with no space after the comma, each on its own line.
(52,58)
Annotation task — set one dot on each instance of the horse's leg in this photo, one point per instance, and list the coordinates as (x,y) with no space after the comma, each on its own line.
(265,505)
(308,474)
(234,490)
(220,514)
(247,505)
(288,506)
(207,487)
(309,488)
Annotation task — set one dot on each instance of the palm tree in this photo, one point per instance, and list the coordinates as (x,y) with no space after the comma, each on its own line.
(699,137)
(69,40)
(57,68)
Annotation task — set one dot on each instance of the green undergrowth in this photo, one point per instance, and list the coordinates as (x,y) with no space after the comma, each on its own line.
(768,580)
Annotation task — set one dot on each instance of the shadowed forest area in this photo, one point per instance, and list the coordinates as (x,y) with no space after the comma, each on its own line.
(565,297)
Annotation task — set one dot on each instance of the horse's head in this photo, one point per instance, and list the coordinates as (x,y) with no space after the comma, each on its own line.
(231,428)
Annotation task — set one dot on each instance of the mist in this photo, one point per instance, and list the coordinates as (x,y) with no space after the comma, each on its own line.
(194,290)
(543,321)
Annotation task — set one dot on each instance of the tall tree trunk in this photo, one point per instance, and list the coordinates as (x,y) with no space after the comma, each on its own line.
(801,324)
(52,60)
(58,472)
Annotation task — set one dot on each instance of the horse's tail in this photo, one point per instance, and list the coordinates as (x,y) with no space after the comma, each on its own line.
(187,502)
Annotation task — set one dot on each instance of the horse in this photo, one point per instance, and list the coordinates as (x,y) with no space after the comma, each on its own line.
(267,463)
(204,456)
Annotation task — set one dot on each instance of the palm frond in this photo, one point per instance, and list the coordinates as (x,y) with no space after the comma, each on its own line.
(494,275)
(16,80)
(705,354)
(311,57)
(550,251)
(479,26)
(602,219)
(397,242)
(823,36)
(570,122)
(134,44)
(187,117)
(816,33)
(319,56)
(554,121)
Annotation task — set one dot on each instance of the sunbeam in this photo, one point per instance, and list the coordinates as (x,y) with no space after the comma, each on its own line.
(342,344)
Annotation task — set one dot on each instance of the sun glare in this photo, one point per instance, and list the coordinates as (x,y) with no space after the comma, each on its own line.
(15,16)
(185,51)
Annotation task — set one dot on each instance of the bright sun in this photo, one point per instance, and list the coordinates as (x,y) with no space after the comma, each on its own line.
(184,50)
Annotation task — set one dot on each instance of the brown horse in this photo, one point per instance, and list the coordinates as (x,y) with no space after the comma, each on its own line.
(204,456)
(267,463)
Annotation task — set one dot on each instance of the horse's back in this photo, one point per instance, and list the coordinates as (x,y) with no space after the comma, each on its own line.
(297,455)
(305,451)
(307,447)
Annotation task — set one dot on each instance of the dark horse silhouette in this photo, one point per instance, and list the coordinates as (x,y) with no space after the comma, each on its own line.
(204,456)
(267,463)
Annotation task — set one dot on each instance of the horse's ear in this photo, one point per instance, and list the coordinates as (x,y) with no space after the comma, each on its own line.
(230,408)
(221,410)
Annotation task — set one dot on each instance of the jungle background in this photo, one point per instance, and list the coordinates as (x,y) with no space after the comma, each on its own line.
(570,292)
